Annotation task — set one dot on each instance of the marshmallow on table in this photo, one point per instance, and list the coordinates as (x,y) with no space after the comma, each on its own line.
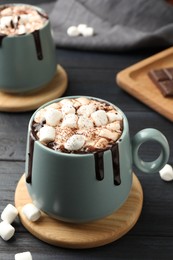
(31,212)
(166,173)
(73,31)
(6,230)
(81,28)
(23,256)
(9,213)
(88,31)
(47,134)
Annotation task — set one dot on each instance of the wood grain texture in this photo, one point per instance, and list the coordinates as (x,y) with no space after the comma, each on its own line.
(93,234)
(135,81)
(32,100)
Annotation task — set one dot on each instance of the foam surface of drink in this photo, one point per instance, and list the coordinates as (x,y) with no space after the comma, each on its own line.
(20,19)
(79,125)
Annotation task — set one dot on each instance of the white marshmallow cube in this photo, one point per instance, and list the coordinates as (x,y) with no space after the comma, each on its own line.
(72,31)
(31,212)
(108,134)
(99,117)
(81,28)
(9,213)
(53,117)
(23,256)
(86,110)
(75,142)
(6,230)
(47,134)
(166,173)
(68,109)
(88,31)
(85,122)
(70,120)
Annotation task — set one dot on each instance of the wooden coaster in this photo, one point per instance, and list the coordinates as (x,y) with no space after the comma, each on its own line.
(32,100)
(93,234)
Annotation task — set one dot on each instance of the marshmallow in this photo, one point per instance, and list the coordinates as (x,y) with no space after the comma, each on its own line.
(9,213)
(5,21)
(99,117)
(81,28)
(108,134)
(88,31)
(112,116)
(22,29)
(53,117)
(101,143)
(24,18)
(70,120)
(166,173)
(46,134)
(115,126)
(85,122)
(83,100)
(72,31)
(68,109)
(31,212)
(6,230)
(23,256)
(66,101)
(75,142)
(86,110)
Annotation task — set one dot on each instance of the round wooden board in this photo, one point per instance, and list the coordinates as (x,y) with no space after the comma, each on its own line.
(32,100)
(80,236)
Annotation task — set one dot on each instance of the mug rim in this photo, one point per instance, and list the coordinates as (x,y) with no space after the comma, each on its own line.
(125,126)
(27,34)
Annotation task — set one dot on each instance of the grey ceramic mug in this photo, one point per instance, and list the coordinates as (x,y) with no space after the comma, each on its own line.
(27,62)
(67,186)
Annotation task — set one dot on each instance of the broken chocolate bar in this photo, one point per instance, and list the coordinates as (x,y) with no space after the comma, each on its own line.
(163,79)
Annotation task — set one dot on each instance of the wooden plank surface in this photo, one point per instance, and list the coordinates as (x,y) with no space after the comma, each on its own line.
(94,73)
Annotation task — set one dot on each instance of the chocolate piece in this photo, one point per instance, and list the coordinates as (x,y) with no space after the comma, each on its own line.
(163,79)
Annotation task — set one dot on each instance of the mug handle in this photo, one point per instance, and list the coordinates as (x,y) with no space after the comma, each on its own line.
(150,134)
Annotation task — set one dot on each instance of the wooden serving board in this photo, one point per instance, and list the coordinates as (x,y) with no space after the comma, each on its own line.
(136,82)
(32,100)
(79,236)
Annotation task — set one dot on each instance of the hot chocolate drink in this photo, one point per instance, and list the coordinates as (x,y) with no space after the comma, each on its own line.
(20,19)
(78,125)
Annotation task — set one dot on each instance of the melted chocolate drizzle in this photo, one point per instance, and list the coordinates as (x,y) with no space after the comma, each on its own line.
(116,164)
(30,157)
(36,35)
(2,36)
(99,165)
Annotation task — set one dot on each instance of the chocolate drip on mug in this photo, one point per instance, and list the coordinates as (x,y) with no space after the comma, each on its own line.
(30,157)
(2,36)
(99,165)
(36,35)
(116,164)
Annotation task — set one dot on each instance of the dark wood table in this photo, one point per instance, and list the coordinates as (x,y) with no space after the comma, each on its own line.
(93,74)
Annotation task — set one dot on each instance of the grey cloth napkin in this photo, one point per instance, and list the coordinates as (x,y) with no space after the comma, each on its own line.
(119,25)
